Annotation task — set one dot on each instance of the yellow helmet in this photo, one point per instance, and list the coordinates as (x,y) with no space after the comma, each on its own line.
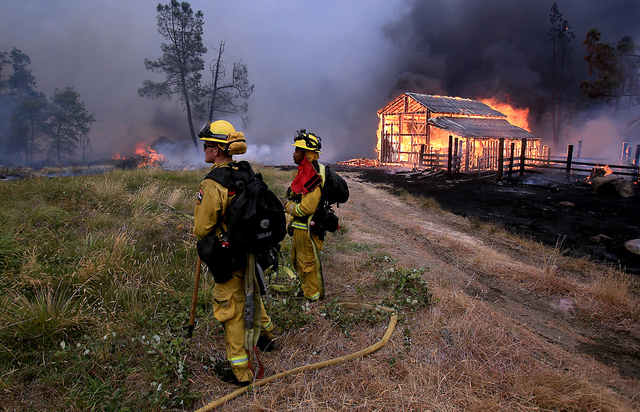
(307,141)
(218,131)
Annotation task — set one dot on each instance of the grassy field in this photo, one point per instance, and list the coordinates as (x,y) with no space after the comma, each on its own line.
(97,276)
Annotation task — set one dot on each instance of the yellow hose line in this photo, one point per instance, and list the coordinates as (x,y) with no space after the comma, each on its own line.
(364,352)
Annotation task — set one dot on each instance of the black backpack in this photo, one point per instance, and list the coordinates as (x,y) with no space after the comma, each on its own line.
(334,191)
(255,220)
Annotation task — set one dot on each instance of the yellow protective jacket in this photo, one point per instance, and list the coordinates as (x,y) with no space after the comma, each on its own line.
(302,211)
(211,206)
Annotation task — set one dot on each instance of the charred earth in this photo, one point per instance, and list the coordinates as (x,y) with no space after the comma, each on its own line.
(549,208)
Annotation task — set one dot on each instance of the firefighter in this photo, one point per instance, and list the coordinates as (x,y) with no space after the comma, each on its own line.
(221,142)
(301,203)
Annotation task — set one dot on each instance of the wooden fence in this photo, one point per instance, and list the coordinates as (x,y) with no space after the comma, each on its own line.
(452,161)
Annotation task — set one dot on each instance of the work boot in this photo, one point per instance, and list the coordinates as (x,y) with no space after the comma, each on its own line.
(266,342)
(224,372)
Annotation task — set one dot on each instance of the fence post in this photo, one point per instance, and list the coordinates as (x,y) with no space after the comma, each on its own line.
(500,158)
(569,159)
(523,156)
(450,154)
(578,154)
(635,162)
(624,156)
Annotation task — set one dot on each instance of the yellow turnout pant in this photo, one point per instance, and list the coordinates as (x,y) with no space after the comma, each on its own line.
(228,308)
(304,260)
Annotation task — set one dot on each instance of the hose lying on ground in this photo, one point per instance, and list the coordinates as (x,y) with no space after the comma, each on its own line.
(387,335)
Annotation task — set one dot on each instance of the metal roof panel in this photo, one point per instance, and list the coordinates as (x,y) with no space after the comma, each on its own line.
(454,105)
(479,128)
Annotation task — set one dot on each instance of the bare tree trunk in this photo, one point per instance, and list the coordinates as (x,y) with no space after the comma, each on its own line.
(215,82)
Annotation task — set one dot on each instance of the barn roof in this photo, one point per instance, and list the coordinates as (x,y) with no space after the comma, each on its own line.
(444,105)
(478,128)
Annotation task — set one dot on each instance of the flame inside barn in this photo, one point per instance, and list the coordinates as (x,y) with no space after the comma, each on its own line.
(420,130)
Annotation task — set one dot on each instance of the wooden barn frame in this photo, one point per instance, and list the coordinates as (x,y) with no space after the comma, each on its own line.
(416,130)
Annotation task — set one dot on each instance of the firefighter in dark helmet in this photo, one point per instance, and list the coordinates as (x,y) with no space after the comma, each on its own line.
(221,142)
(301,202)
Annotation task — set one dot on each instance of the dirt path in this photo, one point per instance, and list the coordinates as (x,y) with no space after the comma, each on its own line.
(421,238)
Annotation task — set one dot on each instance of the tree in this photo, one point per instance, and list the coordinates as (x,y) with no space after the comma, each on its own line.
(28,126)
(560,37)
(602,62)
(19,85)
(68,121)
(228,98)
(181,59)
(628,61)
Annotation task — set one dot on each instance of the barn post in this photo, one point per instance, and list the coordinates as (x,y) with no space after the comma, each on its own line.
(513,149)
(449,154)
(466,156)
(523,150)
(500,158)
(635,162)
(569,159)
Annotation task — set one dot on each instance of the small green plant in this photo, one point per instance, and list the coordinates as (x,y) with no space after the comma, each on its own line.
(288,312)
(409,290)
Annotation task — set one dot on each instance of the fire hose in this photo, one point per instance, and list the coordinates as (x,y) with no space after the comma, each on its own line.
(376,346)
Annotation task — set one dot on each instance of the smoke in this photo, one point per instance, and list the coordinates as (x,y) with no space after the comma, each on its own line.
(498,48)
(323,65)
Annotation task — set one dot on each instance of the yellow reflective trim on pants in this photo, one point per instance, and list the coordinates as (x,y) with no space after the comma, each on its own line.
(300,225)
(314,297)
(268,326)
(239,361)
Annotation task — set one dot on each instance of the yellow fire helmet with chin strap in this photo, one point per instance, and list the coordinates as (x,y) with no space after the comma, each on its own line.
(221,131)
(307,141)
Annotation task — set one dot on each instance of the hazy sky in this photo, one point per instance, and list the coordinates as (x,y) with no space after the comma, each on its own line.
(323,65)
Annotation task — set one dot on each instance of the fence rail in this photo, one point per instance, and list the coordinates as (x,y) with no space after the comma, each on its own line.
(452,161)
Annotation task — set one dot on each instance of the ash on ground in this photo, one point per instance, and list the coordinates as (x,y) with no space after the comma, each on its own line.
(544,206)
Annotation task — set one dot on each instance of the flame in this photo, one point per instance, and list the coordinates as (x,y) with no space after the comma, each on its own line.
(517,117)
(147,156)
(150,155)
(599,171)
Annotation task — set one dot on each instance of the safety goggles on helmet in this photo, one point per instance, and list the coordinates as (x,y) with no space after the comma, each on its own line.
(307,141)
(207,135)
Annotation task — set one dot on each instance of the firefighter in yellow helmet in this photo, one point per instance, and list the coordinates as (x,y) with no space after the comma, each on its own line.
(221,142)
(301,202)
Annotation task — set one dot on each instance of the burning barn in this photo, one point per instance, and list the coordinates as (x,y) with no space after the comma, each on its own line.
(421,130)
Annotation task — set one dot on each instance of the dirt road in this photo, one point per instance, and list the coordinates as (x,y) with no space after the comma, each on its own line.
(489,265)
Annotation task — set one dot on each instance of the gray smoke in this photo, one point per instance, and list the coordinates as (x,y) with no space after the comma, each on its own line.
(496,48)
(323,65)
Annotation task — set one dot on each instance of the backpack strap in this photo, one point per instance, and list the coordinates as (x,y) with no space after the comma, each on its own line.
(233,176)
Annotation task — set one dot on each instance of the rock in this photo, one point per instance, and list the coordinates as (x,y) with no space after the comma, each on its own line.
(567,204)
(633,246)
(612,185)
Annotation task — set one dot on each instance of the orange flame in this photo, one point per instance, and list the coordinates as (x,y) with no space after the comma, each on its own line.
(150,156)
(517,117)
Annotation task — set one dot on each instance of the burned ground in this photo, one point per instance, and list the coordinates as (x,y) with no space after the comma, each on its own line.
(545,207)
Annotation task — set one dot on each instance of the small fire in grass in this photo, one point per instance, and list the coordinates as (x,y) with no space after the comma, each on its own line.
(144,156)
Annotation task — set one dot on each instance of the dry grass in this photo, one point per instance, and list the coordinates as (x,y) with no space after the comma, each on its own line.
(459,355)
(117,272)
